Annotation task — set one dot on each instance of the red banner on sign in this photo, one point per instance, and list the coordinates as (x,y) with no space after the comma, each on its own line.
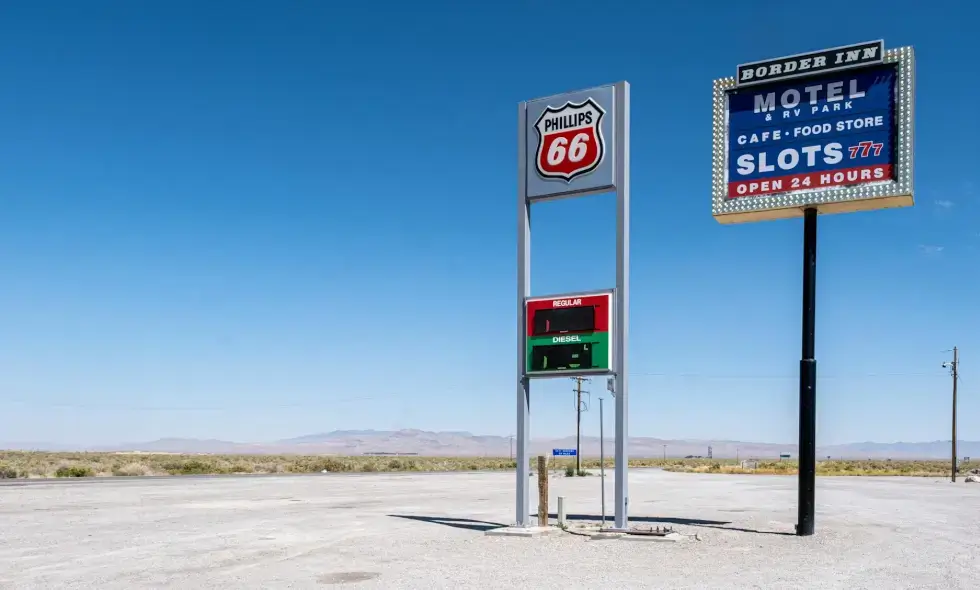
(601,304)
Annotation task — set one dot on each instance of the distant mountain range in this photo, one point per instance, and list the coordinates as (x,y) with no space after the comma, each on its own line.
(421,442)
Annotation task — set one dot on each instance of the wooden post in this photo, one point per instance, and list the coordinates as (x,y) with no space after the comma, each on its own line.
(542,490)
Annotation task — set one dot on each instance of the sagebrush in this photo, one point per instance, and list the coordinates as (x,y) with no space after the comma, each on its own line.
(34,464)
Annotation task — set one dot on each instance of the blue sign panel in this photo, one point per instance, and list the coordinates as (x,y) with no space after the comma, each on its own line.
(563,452)
(830,131)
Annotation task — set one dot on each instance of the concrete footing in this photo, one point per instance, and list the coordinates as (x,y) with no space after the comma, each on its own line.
(531,531)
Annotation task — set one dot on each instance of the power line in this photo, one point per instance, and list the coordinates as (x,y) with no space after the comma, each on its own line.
(223,408)
(323,402)
(742,376)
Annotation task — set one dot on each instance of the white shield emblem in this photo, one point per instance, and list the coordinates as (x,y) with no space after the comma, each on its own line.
(570,141)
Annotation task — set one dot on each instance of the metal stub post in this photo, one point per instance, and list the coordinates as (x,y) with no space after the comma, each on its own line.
(562,520)
(542,490)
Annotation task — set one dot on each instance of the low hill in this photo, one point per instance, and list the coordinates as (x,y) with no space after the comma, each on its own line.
(455,443)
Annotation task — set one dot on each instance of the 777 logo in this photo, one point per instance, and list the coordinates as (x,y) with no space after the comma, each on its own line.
(865,148)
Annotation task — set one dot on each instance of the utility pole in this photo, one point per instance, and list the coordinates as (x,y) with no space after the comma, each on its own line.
(578,422)
(512,447)
(954,371)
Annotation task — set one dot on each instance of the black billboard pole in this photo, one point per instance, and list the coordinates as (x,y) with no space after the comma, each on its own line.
(808,380)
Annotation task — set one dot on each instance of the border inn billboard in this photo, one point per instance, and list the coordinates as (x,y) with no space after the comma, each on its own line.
(831,129)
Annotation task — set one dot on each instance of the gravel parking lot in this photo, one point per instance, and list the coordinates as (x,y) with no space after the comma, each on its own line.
(427,531)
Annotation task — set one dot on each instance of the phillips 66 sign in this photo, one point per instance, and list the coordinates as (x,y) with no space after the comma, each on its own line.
(569,139)
(830,129)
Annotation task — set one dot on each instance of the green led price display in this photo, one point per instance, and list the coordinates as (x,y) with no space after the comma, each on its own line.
(561,357)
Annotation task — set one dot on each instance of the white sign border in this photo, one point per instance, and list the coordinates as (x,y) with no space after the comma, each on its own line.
(881,195)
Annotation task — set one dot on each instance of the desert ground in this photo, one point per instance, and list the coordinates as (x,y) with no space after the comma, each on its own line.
(426,530)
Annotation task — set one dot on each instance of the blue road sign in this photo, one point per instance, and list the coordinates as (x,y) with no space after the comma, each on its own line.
(563,452)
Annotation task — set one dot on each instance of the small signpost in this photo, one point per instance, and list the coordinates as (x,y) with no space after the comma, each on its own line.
(563,452)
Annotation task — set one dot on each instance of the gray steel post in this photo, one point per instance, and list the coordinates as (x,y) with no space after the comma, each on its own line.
(523,291)
(602,463)
(622,299)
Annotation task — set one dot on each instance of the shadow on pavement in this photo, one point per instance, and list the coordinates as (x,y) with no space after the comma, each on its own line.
(711,524)
(459,523)
(483,525)
(647,519)
(741,530)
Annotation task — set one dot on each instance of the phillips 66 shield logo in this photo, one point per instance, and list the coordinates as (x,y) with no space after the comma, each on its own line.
(570,141)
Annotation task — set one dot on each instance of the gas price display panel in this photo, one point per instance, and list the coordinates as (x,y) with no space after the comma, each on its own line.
(569,335)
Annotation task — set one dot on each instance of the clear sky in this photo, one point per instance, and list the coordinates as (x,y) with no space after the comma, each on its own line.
(254,220)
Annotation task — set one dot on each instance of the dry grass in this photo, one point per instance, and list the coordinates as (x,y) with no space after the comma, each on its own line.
(43,464)
(23,464)
(832,468)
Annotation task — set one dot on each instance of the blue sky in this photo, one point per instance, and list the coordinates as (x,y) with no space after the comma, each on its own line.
(254,220)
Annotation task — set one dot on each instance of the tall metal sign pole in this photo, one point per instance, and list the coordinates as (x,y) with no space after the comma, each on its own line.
(622,304)
(828,131)
(602,463)
(572,145)
(523,292)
